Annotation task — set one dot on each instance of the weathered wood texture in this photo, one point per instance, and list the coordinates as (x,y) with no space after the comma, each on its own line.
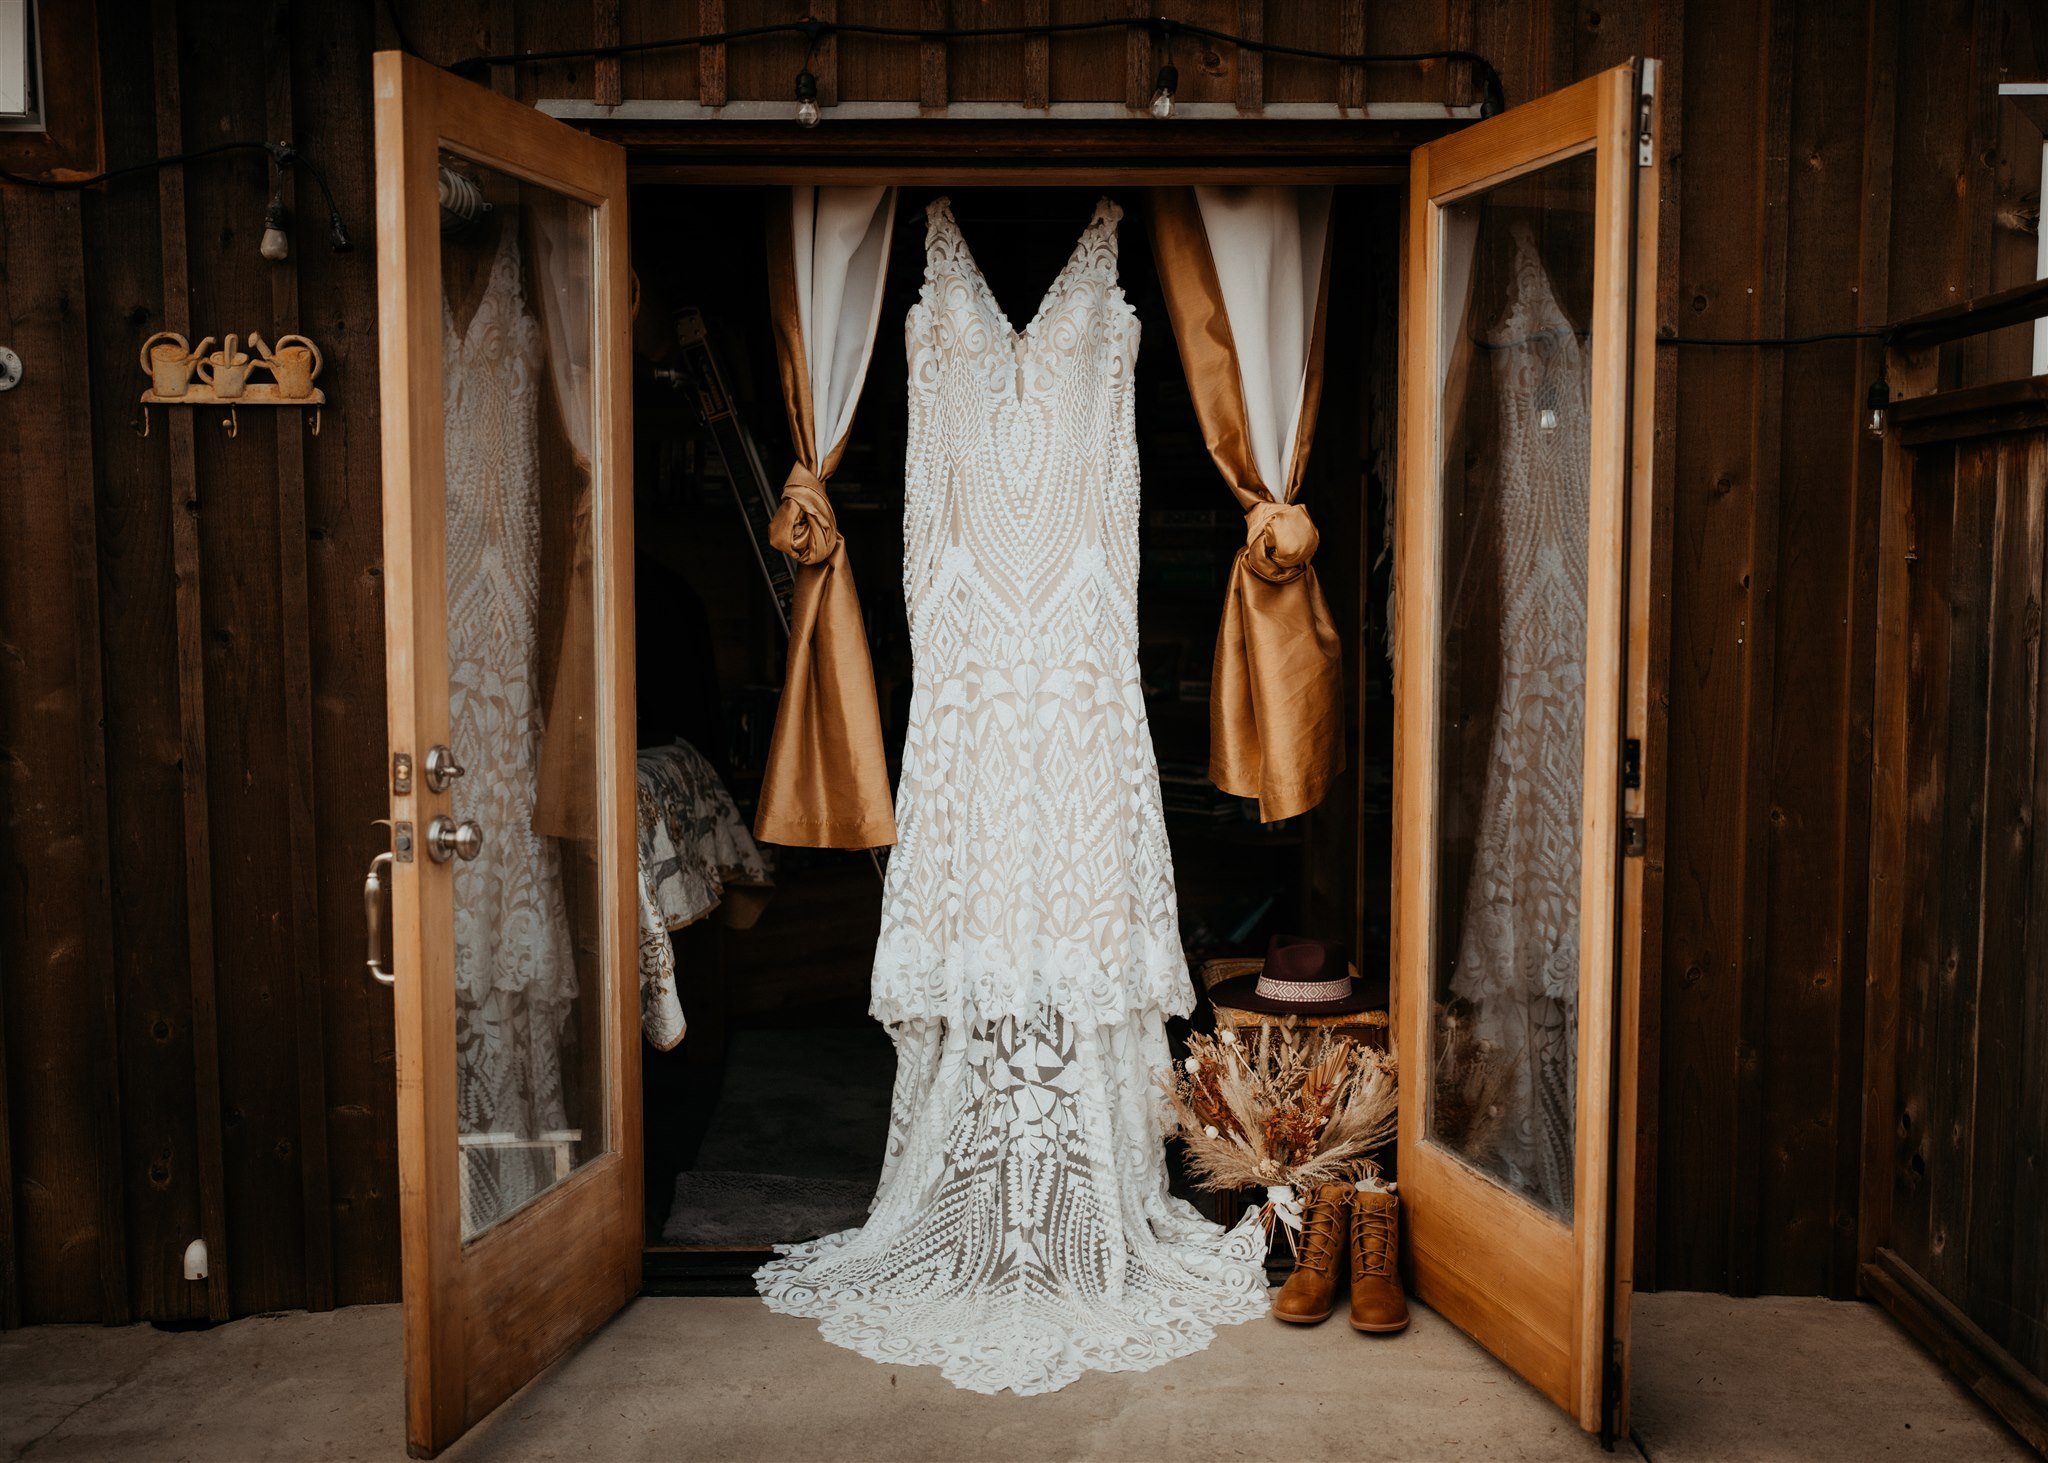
(1961,1127)
(193,672)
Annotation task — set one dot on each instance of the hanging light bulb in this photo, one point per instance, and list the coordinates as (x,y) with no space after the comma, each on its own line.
(276,243)
(1162,95)
(1875,405)
(806,98)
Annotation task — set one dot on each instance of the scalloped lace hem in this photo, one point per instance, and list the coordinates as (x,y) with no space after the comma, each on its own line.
(1034,1345)
(1022,1232)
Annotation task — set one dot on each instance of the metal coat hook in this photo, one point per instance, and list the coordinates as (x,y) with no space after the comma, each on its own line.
(316,421)
(145,423)
(231,423)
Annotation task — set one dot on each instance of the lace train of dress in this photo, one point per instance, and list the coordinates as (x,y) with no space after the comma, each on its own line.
(1022,1232)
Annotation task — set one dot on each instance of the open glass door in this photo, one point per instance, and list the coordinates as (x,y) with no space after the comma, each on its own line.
(502,301)
(1524,632)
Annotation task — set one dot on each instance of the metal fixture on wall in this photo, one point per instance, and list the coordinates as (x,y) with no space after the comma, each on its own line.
(223,376)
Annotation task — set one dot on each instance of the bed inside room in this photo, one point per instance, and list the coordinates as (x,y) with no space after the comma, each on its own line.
(767,1122)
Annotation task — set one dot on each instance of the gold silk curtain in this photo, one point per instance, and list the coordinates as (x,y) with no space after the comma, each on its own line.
(1245,272)
(827,778)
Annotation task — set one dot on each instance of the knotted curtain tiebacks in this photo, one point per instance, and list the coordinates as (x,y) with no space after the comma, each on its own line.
(804,525)
(826,783)
(1280,539)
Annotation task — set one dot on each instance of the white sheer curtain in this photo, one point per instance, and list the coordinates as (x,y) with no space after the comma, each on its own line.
(561,266)
(840,239)
(1268,245)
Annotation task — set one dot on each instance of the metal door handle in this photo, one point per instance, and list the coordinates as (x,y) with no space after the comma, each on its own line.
(375,888)
(448,839)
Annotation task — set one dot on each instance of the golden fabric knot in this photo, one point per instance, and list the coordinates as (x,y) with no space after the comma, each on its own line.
(1279,540)
(804,526)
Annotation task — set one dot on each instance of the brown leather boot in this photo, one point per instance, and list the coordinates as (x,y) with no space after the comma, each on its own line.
(1310,1293)
(1376,1300)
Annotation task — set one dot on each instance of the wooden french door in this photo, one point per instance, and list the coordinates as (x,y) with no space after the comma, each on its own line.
(502,299)
(1527,542)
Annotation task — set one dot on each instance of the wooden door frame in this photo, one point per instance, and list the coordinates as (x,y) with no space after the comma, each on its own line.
(1547,1312)
(563,1263)
(1136,151)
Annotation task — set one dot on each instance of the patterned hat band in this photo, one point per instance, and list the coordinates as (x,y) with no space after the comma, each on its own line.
(1304,990)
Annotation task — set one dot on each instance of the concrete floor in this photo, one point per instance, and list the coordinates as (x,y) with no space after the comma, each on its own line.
(1804,1380)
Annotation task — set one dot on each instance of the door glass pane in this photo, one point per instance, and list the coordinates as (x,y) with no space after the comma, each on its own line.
(530,967)
(1514,318)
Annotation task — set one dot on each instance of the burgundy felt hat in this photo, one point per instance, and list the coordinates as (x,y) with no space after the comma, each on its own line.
(1301,977)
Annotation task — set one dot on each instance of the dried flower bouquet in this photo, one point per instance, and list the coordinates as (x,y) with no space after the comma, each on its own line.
(1283,1108)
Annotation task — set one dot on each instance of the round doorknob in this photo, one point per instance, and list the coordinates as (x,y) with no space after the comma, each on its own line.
(447,839)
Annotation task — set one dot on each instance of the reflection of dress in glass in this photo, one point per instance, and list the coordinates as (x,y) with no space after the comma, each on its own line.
(1023,1232)
(1518,958)
(515,975)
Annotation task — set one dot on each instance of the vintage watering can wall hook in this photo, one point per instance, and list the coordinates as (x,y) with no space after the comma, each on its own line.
(228,376)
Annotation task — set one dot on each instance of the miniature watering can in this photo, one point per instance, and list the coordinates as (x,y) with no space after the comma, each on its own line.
(226,370)
(170,361)
(294,361)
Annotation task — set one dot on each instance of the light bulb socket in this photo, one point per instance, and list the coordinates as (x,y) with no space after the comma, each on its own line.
(806,86)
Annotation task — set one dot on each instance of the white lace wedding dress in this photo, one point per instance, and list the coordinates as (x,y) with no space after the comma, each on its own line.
(1030,953)
(515,974)
(1518,958)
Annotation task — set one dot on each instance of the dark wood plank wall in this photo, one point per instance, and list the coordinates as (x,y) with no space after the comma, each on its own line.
(191,694)
(1954,1222)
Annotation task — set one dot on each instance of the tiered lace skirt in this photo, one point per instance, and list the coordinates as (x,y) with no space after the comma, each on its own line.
(1022,1233)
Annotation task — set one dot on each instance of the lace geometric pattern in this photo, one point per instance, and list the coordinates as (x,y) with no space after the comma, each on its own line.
(1022,1233)
(515,974)
(1518,958)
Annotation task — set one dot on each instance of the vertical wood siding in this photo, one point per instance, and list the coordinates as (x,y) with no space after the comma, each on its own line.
(191,655)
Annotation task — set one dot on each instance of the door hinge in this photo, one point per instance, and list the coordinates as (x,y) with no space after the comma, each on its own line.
(1635,835)
(1632,763)
(1646,112)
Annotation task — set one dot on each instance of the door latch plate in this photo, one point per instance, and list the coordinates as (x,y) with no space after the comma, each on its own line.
(401,773)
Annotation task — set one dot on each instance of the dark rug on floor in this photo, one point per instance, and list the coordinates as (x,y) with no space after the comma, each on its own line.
(762,1208)
(795,1144)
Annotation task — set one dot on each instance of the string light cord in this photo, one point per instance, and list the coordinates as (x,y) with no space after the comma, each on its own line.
(814,32)
(283,154)
(1880,332)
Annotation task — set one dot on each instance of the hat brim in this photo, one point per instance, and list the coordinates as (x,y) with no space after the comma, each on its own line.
(1241,993)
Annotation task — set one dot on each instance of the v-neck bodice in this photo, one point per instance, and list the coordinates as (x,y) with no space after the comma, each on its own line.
(1023,456)
(1096,246)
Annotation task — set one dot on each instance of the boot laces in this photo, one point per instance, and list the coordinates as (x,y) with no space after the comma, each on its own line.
(1372,1237)
(1319,1238)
